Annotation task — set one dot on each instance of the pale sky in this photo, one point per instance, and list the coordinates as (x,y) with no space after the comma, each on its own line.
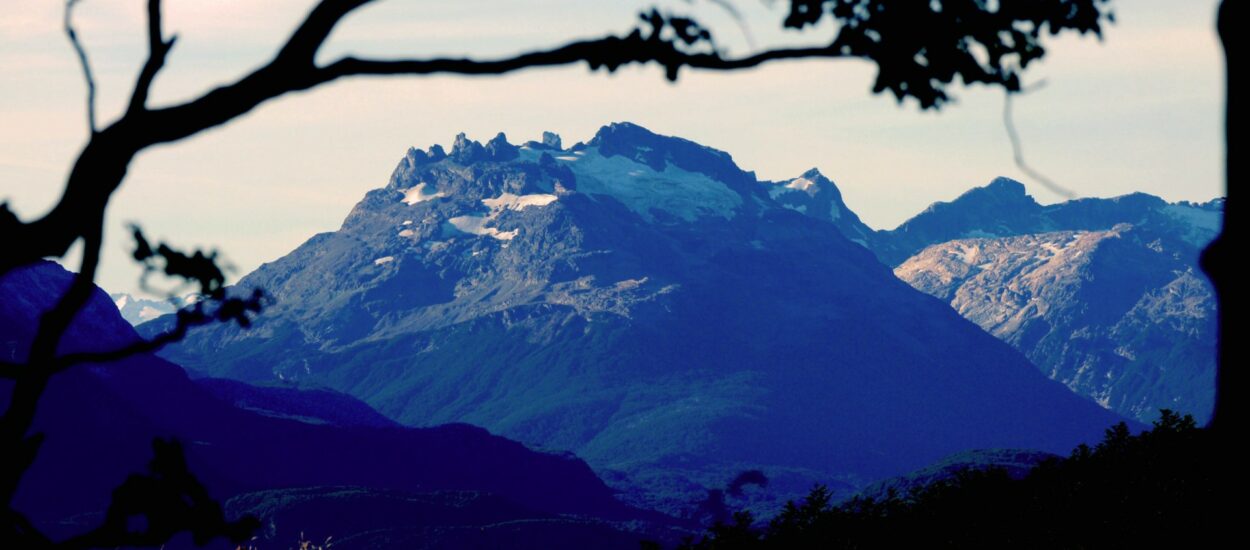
(1139,111)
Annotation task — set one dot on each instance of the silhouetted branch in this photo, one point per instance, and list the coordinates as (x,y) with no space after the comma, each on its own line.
(82,60)
(732,10)
(197,267)
(301,48)
(158,49)
(1017,150)
(231,309)
(610,53)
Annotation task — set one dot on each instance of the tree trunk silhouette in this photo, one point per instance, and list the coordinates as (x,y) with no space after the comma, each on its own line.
(1217,259)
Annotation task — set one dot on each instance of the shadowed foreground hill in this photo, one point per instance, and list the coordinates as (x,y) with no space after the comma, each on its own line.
(641,301)
(100,421)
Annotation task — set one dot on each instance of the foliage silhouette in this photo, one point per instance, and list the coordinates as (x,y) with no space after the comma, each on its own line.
(919,49)
(1147,489)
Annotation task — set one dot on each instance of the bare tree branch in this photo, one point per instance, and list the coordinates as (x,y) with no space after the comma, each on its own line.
(288,74)
(158,49)
(1017,150)
(301,48)
(605,52)
(82,60)
(729,8)
(230,309)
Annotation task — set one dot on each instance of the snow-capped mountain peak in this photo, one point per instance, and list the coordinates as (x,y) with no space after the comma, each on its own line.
(817,196)
(141,310)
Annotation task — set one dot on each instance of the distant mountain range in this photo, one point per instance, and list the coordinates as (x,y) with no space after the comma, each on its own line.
(303,461)
(1003,209)
(137,311)
(1103,295)
(641,301)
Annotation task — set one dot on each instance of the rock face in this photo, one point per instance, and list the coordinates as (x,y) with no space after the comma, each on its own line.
(643,302)
(1115,315)
(1003,209)
(99,421)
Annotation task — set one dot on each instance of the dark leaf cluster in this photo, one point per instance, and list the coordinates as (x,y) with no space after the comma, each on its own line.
(921,47)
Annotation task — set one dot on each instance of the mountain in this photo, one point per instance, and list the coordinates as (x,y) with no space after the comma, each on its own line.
(1004,209)
(1103,295)
(817,196)
(141,310)
(643,302)
(1116,315)
(99,422)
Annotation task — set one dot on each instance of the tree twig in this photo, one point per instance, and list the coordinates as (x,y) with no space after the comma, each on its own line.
(1017,150)
(158,49)
(82,60)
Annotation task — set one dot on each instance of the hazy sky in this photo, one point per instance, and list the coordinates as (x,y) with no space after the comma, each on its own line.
(1139,111)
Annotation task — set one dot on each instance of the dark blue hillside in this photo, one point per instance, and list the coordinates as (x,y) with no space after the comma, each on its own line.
(100,421)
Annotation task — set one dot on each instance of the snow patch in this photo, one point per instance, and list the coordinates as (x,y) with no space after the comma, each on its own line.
(407,233)
(384,260)
(686,195)
(476,225)
(509,201)
(796,185)
(420,192)
(801,184)
(802,208)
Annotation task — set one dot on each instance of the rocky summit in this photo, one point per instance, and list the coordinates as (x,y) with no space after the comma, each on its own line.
(643,302)
(1103,294)
(1003,209)
(1114,315)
